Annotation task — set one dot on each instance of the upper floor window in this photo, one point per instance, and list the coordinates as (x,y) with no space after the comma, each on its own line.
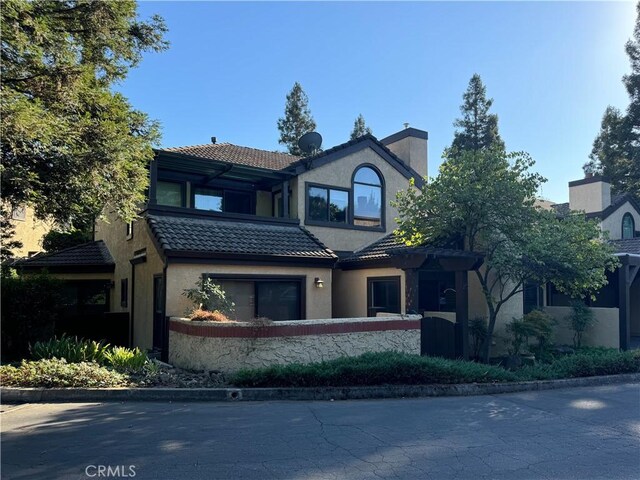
(170,194)
(367,198)
(222,200)
(328,204)
(628,226)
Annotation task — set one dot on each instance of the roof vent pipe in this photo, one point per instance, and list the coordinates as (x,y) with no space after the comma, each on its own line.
(213,140)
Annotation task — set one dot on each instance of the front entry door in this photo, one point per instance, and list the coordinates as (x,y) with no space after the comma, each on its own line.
(158,313)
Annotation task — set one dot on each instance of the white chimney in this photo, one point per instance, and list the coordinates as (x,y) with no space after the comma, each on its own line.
(410,146)
(590,195)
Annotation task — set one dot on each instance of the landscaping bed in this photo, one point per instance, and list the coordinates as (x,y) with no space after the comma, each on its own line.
(370,369)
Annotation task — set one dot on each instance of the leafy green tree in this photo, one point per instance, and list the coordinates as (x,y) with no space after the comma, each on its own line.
(479,128)
(580,319)
(483,202)
(297,120)
(616,149)
(56,240)
(71,145)
(359,128)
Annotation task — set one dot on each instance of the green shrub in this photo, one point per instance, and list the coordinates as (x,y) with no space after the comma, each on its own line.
(478,333)
(580,319)
(585,364)
(72,349)
(208,295)
(541,326)
(29,312)
(58,373)
(126,359)
(390,368)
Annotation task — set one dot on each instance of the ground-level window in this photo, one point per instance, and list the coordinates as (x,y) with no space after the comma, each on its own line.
(275,298)
(85,297)
(606,297)
(383,295)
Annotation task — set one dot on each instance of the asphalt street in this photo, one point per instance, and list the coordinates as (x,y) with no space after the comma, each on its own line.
(581,433)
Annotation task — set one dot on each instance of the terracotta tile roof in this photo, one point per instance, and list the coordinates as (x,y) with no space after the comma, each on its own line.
(226,152)
(628,245)
(87,254)
(211,237)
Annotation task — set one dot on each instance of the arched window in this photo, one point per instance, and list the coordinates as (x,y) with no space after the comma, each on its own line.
(628,226)
(367,197)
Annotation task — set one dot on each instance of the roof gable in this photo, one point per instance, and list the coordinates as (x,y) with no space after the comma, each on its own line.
(353,146)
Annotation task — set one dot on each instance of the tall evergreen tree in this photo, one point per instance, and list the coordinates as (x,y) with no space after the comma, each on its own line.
(71,145)
(479,128)
(359,128)
(616,149)
(297,120)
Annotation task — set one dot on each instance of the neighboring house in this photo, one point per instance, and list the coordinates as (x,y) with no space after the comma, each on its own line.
(29,231)
(617,305)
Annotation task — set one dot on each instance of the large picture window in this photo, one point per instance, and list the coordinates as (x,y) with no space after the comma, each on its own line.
(328,204)
(383,295)
(367,198)
(274,298)
(628,226)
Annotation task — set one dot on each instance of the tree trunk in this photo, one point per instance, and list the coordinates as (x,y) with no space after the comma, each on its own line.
(486,345)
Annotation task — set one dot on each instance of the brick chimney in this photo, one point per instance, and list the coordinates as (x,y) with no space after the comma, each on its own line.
(591,194)
(410,145)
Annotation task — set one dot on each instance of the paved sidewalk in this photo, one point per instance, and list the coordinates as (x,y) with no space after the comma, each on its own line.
(580,433)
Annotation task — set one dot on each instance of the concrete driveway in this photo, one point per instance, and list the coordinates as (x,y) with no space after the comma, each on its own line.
(581,433)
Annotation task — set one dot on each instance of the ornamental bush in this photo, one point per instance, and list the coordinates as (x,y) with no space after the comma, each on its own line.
(59,373)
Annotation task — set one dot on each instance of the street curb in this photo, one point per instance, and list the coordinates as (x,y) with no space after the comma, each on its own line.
(51,395)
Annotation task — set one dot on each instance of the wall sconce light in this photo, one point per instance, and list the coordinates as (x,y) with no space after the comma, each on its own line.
(318,283)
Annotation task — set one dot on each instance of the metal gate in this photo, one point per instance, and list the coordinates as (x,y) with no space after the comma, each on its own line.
(437,337)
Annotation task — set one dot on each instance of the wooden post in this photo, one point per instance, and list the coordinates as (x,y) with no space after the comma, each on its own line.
(462,314)
(411,290)
(285,199)
(153,182)
(624,305)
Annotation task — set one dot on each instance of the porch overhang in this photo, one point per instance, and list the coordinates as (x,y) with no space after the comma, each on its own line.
(449,260)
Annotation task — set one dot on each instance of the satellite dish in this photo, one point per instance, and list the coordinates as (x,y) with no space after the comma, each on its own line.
(310,142)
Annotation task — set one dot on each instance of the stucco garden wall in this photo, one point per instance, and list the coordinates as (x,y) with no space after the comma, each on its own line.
(231,346)
(605,332)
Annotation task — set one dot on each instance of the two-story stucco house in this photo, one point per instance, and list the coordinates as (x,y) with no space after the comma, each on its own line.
(287,238)
(293,238)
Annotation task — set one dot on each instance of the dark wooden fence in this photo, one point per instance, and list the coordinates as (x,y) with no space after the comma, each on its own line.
(438,337)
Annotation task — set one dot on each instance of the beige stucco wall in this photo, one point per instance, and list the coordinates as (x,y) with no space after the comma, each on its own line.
(230,354)
(30,232)
(613,223)
(604,333)
(350,290)
(413,151)
(122,249)
(339,174)
(183,276)
(590,197)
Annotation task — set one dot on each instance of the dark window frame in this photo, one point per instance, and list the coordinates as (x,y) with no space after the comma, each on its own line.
(382,187)
(327,223)
(394,278)
(255,279)
(183,191)
(252,197)
(633,226)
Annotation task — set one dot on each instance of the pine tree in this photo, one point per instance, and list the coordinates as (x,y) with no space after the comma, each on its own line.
(479,127)
(297,120)
(359,128)
(616,149)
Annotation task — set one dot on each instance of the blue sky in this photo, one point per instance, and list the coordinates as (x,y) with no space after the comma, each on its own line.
(551,68)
